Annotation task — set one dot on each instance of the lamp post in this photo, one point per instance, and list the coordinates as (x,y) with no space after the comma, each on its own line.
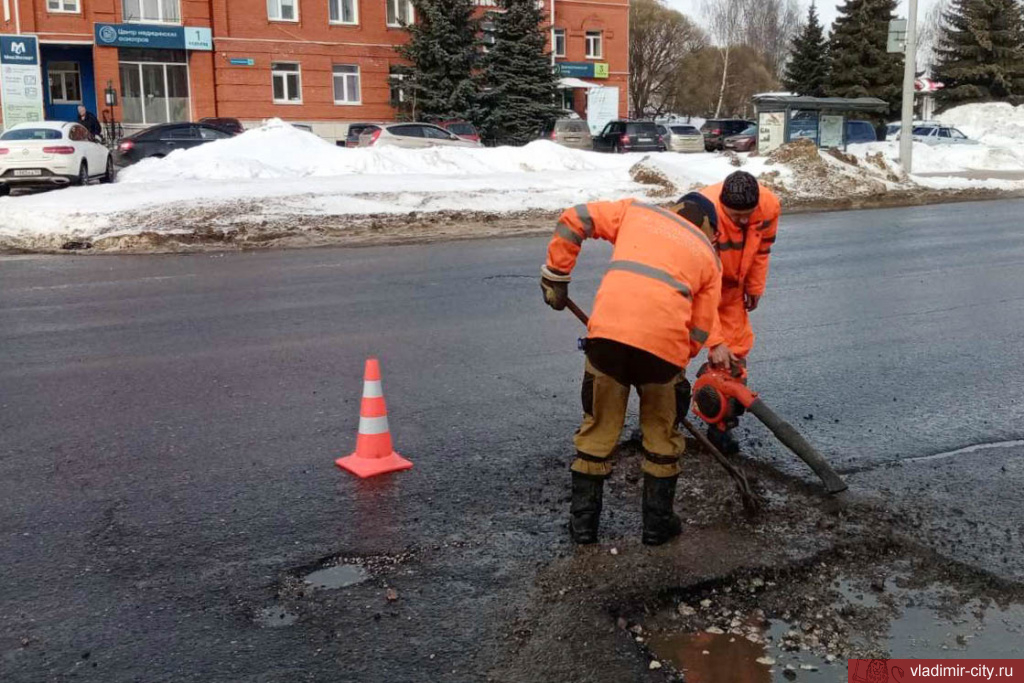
(909,72)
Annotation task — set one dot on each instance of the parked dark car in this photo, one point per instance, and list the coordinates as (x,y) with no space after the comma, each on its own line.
(744,141)
(159,141)
(464,129)
(629,136)
(233,126)
(717,130)
(860,131)
(354,131)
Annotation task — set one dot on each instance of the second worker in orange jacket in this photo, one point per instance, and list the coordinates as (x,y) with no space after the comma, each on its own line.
(748,220)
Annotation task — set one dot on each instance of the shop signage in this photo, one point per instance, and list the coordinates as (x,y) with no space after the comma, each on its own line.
(154,36)
(242,61)
(21,86)
(583,69)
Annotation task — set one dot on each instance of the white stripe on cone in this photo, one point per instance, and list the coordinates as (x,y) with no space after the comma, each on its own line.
(372,389)
(373,425)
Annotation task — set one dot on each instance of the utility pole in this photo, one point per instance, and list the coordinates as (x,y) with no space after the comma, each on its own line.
(909,73)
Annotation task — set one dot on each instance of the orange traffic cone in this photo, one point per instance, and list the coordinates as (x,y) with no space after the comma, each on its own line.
(374,453)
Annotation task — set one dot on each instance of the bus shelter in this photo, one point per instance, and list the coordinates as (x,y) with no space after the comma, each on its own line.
(784,118)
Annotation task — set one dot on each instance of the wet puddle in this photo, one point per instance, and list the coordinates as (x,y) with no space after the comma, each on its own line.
(716,657)
(340,576)
(275,617)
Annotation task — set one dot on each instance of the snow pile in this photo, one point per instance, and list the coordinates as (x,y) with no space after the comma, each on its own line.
(278,150)
(997,124)
(949,158)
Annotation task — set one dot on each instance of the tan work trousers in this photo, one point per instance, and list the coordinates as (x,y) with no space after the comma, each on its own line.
(604,406)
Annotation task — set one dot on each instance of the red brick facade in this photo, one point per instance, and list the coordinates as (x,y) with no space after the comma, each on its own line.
(235,79)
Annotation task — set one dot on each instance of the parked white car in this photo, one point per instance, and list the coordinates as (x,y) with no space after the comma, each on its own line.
(941,135)
(892,130)
(51,153)
(413,136)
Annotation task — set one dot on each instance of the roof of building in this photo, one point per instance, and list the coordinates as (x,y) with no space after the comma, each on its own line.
(774,100)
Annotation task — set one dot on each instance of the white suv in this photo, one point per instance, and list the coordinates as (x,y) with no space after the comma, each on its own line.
(51,153)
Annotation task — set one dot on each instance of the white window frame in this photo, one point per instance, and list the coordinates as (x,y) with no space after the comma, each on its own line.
(557,33)
(277,5)
(50,71)
(342,22)
(161,19)
(166,80)
(345,76)
(592,39)
(396,6)
(275,71)
(63,7)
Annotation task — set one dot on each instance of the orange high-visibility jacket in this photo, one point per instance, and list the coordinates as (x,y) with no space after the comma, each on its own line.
(745,257)
(661,291)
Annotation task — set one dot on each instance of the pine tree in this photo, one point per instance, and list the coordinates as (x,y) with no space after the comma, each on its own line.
(442,49)
(807,69)
(518,85)
(980,55)
(859,63)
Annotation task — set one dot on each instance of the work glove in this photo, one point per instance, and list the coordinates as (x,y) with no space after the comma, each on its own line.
(555,286)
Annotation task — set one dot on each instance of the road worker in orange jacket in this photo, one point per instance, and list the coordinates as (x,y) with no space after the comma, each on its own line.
(653,313)
(748,219)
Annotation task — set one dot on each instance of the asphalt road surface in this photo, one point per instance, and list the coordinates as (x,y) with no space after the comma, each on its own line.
(168,426)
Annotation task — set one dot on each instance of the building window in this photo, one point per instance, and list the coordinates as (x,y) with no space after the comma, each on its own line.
(154,86)
(346,84)
(595,48)
(159,11)
(283,10)
(487,34)
(399,12)
(65,83)
(287,83)
(559,41)
(62,6)
(343,11)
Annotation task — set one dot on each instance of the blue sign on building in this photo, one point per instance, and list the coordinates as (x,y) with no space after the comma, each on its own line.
(154,36)
(19,50)
(576,69)
(242,61)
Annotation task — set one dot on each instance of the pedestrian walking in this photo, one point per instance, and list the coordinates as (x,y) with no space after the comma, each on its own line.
(91,123)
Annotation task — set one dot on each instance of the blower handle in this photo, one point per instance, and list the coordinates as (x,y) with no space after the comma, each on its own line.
(577,311)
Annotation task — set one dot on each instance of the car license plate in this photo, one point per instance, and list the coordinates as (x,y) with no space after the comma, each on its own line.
(28,172)
(643,139)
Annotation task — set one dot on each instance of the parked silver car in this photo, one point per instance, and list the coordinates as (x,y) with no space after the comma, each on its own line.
(412,136)
(681,137)
(941,135)
(574,133)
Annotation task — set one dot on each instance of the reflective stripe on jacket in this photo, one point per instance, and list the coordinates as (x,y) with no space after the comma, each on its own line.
(662,287)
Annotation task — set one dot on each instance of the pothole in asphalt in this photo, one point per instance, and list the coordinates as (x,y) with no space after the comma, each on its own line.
(275,616)
(804,625)
(339,576)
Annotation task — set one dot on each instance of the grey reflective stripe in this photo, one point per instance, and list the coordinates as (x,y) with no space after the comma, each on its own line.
(373,425)
(768,240)
(653,273)
(766,250)
(681,221)
(730,246)
(698,335)
(567,233)
(588,223)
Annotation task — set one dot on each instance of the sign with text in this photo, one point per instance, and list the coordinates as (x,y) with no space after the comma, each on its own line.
(242,61)
(602,107)
(830,129)
(771,130)
(582,69)
(154,36)
(21,83)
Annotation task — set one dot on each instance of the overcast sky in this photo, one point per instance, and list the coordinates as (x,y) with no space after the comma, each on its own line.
(826,9)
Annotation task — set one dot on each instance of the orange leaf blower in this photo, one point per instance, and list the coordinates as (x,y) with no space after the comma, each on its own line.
(719,395)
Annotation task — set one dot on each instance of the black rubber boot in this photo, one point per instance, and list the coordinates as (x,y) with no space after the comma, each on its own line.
(585,508)
(724,441)
(661,524)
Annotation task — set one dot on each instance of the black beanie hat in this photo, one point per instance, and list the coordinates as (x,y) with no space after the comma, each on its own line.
(740,191)
(699,210)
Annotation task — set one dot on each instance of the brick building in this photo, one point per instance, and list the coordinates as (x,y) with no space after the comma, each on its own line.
(322,62)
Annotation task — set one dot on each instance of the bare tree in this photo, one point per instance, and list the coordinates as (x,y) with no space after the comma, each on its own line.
(659,40)
(724,19)
(928,32)
(768,26)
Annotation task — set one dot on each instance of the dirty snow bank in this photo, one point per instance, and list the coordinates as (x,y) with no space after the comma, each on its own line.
(997,124)
(279,181)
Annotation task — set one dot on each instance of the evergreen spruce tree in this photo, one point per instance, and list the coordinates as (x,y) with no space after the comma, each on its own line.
(442,50)
(859,63)
(980,55)
(518,86)
(807,69)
